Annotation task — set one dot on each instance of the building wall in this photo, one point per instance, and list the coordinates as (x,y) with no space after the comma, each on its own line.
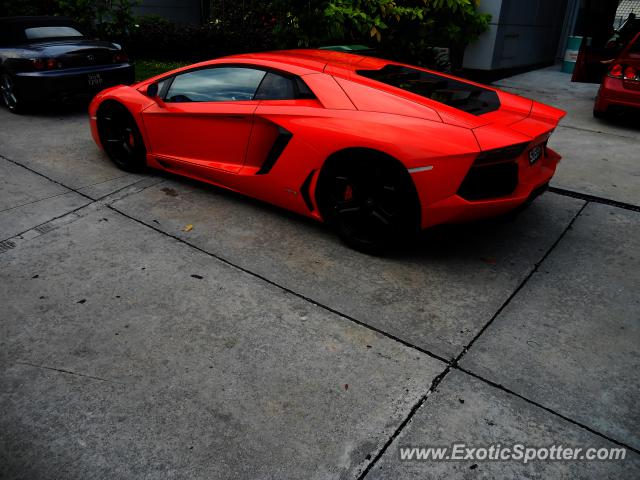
(178,11)
(624,9)
(522,33)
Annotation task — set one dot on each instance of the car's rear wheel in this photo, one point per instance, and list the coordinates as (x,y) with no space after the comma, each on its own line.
(10,96)
(600,114)
(369,199)
(120,137)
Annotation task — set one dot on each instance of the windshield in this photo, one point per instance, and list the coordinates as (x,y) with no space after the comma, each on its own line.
(461,95)
(36,33)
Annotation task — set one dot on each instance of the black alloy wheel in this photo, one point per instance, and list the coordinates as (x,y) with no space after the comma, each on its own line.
(370,200)
(121,138)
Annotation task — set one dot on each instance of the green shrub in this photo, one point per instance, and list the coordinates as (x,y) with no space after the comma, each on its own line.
(107,19)
(405,29)
(155,37)
(11,8)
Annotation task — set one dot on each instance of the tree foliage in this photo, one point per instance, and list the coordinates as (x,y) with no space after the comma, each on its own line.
(402,28)
(106,18)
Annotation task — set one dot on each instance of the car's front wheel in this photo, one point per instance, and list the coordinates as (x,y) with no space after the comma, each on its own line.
(369,199)
(121,138)
(10,96)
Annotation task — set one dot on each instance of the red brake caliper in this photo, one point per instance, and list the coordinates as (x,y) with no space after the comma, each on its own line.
(348,193)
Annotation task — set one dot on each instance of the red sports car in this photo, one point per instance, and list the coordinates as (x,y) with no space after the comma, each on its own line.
(375,148)
(620,87)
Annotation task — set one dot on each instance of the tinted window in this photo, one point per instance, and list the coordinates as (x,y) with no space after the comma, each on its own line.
(461,95)
(280,87)
(303,90)
(35,33)
(276,87)
(223,84)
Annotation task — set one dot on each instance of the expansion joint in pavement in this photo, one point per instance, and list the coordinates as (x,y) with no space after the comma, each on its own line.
(547,409)
(450,364)
(46,177)
(454,363)
(595,199)
(520,286)
(284,288)
(50,224)
(432,388)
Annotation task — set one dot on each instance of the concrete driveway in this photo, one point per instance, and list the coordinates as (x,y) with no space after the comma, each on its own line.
(256,345)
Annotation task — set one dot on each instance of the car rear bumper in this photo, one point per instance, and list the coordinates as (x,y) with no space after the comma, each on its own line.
(615,92)
(73,82)
(532,180)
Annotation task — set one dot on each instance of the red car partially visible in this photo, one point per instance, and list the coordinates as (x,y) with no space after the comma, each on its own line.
(620,87)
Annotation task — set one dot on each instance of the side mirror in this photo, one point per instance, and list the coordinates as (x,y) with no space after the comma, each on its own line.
(152,92)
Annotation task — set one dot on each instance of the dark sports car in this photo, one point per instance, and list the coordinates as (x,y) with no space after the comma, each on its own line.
(47,58)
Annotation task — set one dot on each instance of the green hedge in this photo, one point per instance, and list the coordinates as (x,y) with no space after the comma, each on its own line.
(401,29)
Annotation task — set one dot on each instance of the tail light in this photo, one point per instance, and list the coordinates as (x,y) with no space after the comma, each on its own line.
(500,155)
(630,73)
(616,71)
(45,63)
(120,57)
(624,72)
(39,63)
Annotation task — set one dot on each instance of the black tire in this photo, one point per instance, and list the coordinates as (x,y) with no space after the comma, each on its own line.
(369,199)
(10,96)
(120,137)
(599,115)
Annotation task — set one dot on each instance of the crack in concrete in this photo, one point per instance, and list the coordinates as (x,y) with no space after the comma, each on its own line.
(600,132)
(62,370)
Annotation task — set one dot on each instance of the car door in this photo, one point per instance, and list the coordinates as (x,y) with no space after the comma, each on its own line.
(204,118)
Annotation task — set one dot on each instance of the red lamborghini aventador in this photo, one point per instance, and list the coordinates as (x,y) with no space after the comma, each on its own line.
(375,148)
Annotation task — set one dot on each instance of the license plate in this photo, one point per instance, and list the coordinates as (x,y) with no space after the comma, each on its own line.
(94,79)
(535,154)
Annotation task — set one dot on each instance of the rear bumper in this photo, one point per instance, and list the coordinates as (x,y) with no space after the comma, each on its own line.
(532,181)
(614,93)
(74,82)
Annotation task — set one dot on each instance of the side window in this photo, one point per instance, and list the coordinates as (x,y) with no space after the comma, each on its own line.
(222,84)
(280,87)
(276,87)
(304,92)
